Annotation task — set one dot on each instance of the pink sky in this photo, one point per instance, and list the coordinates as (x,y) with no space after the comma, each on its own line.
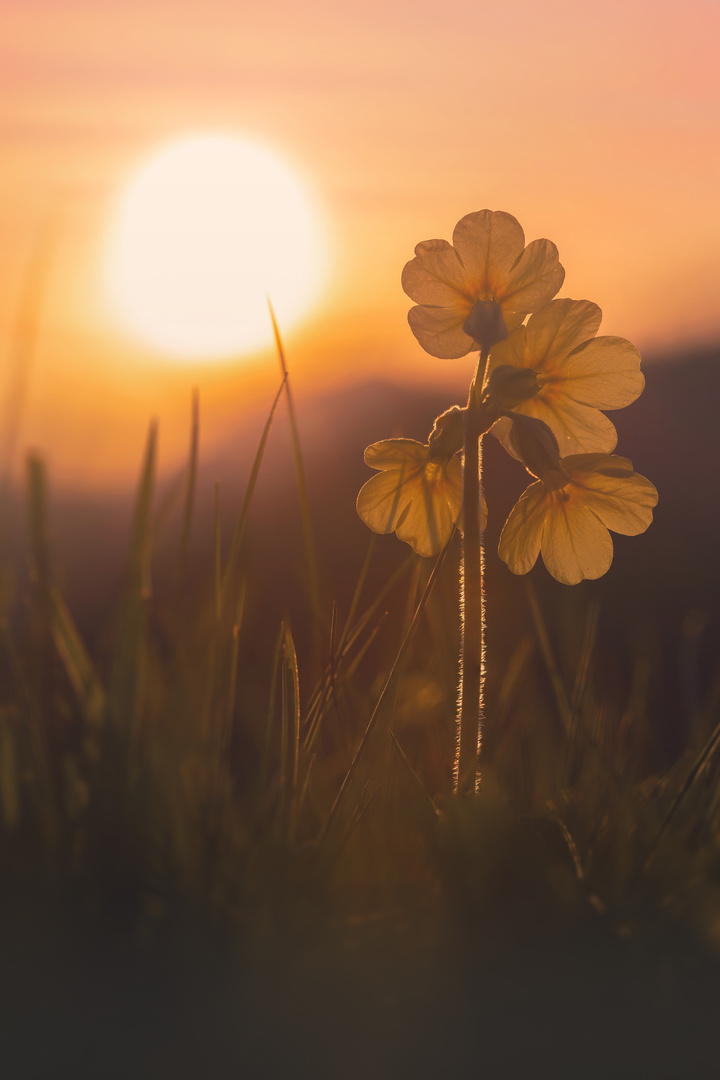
(596,124)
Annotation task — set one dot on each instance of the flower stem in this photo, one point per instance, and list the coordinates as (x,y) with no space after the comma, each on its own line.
(470,710)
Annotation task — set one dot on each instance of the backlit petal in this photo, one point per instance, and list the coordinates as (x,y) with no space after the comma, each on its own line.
(620,498)
(437,276)
(440,332)
(383,500)
(534,278)
(488,243)
(395,454)
(575,543)
(604,372)
(576,427)
(557,329)
(428,521)
(522,534)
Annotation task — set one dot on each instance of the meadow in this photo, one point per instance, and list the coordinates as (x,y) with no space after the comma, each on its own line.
(230,840)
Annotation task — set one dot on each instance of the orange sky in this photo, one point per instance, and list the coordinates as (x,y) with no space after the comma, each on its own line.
(596,124)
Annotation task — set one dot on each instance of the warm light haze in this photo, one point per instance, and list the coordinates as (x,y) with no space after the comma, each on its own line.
(206,231)
(595,125)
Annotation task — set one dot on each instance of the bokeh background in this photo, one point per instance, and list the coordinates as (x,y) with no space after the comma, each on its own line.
(594,124)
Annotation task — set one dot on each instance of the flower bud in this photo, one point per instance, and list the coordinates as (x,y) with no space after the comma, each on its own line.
(536,446)
(447,435)
(509,386)
(485,324)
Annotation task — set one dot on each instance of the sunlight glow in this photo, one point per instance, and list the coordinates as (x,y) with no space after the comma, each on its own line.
(207,229)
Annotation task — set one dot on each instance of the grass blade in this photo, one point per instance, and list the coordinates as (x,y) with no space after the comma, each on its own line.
(308,539)
(374,718)
(190,486)
(244,510)
(129,658)
(78,665)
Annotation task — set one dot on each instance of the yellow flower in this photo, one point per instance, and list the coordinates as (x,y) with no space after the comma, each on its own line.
(416,494)
(567,517)
(569,375)
(486,278)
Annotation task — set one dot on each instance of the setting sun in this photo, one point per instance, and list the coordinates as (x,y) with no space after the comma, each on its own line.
(206,230)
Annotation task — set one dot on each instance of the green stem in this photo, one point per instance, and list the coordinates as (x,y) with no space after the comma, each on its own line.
(470,711)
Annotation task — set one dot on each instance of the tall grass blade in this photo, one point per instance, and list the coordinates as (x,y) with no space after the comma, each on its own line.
(272,709)
(38,522)
(291,680)
(376,713)
(239,533)
(218,554)
(190,485)
(309,541)
(546,649)
(426,798)
(359,586)
(699,764)
(23,341)
(79,667)
(129,656)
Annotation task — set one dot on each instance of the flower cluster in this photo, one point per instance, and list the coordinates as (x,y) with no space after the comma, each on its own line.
(543,387)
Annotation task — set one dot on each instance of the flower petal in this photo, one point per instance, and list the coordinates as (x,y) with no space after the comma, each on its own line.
(396,454)
(437,276)
(604,372)
(557,329)
(621,499)
(534,279)
(576,427)
(575,543)
(522,533)
(440,332)
(488,243)
(383,500)
(428,520)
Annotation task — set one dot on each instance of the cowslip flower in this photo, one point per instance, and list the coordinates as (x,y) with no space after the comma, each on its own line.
(471,293)
(417,492)
(567,513)
(557,370)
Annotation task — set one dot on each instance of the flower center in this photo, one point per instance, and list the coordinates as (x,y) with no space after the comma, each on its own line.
(485,324)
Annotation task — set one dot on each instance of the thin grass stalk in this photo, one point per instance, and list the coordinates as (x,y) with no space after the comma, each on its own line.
(234,657)
(42,572)
(374,718)
(129,660)
(417,782)
(320,695)
(23,340)
(701,761)
(292,684)
(239,533)
(359,586)
(78,666)
(471,706)
(332,692)
(308,538)
(217,546)
(31,716)
(190,486)
(272,705)
(556,679)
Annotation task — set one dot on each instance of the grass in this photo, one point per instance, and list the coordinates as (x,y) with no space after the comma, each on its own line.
(219,871)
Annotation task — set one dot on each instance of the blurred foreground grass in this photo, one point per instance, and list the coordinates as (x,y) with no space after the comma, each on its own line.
(211,867)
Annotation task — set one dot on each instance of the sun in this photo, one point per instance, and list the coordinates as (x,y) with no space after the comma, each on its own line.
(206,230)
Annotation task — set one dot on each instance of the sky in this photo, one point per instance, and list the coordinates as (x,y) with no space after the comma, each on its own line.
(595,124)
